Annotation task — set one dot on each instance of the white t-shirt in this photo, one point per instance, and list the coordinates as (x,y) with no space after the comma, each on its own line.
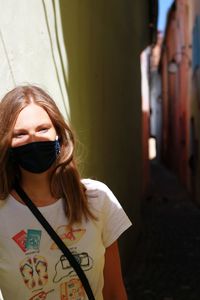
(31,265)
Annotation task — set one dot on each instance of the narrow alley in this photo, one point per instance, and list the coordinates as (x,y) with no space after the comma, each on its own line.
(167,259)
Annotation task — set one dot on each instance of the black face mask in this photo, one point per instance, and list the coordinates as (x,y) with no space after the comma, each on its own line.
(36,157)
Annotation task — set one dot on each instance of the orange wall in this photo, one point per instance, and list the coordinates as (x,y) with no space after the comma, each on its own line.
(176,101)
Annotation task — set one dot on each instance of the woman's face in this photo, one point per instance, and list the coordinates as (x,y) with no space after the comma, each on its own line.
(33,124)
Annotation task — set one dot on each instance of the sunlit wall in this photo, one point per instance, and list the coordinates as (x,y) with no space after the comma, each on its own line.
(30,48)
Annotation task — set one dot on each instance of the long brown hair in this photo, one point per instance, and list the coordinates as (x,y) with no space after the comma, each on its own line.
(65,180)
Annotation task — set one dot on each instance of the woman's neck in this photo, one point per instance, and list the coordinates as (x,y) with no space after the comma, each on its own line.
(37,186)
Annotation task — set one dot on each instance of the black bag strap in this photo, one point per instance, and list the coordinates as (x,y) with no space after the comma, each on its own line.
(73,262)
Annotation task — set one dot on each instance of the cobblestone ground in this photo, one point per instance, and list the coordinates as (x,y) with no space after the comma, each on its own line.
(167,259)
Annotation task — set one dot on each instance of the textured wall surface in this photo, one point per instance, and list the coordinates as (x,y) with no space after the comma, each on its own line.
(103,42)
(30,43)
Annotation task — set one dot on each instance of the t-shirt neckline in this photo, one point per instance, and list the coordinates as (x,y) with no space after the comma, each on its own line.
(12,201)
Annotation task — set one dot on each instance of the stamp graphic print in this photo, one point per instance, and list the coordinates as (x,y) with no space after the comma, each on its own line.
(29,240)
(20,239)
(72,290)
(33,239)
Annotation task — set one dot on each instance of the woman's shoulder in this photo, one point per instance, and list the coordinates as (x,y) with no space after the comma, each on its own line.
(98,189)
(92,184)
(95,187)
(4,203)
(3,208)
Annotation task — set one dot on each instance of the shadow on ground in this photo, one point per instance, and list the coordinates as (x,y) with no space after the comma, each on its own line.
(166,262)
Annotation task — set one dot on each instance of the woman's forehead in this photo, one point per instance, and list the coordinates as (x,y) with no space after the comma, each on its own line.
(31,115)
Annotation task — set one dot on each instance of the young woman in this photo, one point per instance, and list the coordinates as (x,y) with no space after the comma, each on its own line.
(36,149)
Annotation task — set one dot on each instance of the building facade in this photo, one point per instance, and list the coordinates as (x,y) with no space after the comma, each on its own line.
(180,65)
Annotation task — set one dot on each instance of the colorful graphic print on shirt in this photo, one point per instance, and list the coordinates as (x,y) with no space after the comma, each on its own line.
(28,241)
(34,271)
(34,267)
(68,235)
(63,268)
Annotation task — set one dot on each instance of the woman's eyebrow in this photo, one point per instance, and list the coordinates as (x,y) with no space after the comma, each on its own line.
(19,130)
(46,124)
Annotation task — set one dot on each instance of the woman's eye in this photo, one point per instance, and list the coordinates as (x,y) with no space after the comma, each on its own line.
(19,135)
(43,130)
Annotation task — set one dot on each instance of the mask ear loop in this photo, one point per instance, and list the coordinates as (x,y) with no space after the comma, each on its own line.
(57,146)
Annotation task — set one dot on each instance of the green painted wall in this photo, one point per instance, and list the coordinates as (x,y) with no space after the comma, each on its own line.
(103,42)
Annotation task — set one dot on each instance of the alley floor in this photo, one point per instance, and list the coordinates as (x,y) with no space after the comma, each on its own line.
(167,259)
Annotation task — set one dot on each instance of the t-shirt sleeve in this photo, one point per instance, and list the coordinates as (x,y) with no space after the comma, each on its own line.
(115,220)
(108,210)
